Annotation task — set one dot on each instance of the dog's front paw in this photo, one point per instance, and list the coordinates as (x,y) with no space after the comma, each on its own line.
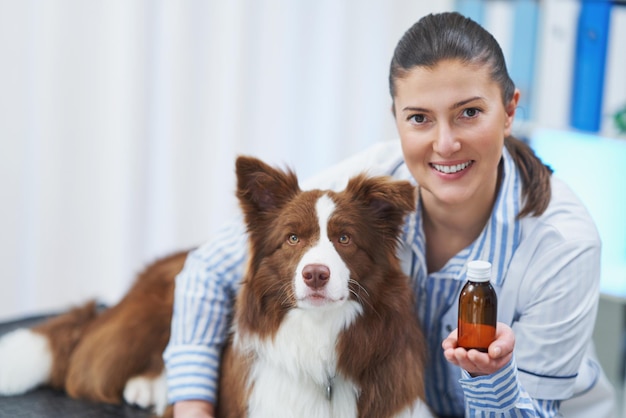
(147,392)
(25,361)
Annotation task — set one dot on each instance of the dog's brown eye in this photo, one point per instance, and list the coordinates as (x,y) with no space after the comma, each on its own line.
(293,239)
(344,239)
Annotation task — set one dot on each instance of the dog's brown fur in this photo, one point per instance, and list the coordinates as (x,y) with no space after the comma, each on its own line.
(95,354)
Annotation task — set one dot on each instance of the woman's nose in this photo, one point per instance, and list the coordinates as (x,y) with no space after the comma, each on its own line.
(446,142)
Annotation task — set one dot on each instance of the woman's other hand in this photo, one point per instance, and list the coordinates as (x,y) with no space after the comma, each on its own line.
(193,409)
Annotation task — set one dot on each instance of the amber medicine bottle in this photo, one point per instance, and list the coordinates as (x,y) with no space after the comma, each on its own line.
(478,308)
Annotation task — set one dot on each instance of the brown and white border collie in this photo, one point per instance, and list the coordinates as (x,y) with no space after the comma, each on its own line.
(324,324)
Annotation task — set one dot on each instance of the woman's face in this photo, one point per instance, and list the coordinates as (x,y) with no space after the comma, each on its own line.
(452,124)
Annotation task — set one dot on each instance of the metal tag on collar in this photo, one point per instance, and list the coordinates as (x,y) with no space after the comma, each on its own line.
(329,390)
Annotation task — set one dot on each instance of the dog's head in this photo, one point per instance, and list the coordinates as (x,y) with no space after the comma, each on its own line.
(317,249)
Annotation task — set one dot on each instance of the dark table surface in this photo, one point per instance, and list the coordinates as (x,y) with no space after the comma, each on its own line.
(48,403)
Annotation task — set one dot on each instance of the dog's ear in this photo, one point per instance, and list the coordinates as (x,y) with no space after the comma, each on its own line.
(262,188)
(387,199)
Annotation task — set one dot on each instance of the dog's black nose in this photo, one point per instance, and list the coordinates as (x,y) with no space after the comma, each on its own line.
(315,275)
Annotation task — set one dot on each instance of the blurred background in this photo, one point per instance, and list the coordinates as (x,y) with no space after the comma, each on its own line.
(120,122)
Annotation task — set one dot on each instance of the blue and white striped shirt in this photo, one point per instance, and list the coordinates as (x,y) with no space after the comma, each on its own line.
(545,271)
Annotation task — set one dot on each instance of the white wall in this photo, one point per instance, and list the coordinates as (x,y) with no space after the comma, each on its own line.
(120,120)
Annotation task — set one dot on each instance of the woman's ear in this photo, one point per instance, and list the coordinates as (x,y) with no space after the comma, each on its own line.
(510,109)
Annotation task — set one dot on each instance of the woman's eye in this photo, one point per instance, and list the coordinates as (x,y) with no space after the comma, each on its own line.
(471,112)
(344,239)
(418,119)
(293,239)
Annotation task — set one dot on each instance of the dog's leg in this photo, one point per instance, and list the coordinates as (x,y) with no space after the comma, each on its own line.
(118,347)
(147,391)
(127,340)
(39,356)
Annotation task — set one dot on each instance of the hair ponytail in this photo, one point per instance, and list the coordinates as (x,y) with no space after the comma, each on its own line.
(536,190)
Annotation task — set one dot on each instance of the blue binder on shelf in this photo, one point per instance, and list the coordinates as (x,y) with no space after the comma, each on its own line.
(589,66)
(522,59)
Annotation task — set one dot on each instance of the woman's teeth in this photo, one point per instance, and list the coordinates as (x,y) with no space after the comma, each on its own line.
(451,169)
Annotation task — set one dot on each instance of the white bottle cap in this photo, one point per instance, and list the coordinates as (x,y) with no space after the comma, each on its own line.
(479,271)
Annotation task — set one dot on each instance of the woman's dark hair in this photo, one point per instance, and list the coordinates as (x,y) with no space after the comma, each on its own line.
(452,36)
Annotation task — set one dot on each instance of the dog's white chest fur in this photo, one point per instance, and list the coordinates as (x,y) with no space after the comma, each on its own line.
(292,373)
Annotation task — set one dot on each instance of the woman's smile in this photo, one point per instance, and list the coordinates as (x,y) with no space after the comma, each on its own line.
(451,168)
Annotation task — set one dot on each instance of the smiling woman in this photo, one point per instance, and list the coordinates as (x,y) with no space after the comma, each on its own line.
(483,195)
(452,124)
(451,115)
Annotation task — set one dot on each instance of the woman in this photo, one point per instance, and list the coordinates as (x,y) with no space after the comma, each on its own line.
(483,195)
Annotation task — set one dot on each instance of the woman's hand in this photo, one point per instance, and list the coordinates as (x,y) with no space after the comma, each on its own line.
(477,363)
(193,409)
